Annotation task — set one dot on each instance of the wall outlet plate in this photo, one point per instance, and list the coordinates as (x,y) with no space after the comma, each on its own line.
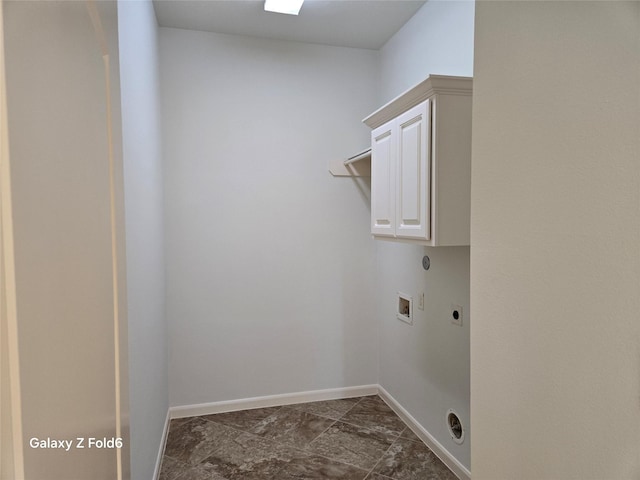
(456,314)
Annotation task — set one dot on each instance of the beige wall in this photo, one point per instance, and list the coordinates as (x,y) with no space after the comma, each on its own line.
(555,255)
(6,428)
(60,182)
(7,469)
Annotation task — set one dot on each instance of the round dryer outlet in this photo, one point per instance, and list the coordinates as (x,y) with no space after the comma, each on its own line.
(455,427)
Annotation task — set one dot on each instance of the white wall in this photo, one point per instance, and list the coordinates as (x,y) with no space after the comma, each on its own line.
(269,257)
(60,186)
(555,256)
(142,158)
(438,39)
(425,366)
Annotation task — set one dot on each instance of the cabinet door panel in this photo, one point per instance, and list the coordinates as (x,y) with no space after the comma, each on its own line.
(383,180)
(413,175)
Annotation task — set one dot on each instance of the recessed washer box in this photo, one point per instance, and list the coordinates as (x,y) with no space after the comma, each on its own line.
(405,308)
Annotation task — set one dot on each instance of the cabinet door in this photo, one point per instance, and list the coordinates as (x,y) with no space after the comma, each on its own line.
(383,157)
(413,178)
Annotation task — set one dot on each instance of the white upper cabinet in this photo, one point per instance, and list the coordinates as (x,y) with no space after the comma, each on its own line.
(421,164)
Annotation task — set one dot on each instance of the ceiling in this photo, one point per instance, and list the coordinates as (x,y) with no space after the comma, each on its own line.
(345,23)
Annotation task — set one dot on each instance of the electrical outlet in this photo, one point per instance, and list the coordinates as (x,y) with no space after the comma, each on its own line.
(456,314)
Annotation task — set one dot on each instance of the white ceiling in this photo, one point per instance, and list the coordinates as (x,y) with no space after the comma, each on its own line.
(345,23)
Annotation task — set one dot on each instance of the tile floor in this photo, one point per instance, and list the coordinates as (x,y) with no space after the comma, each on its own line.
(351,439)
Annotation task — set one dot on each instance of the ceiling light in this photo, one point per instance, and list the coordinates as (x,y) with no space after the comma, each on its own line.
(290,7)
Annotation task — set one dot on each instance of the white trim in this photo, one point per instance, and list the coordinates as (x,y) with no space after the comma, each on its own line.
(440,451)
(432,85)
(94,15)
(9,311)
(271,401)
(163,442)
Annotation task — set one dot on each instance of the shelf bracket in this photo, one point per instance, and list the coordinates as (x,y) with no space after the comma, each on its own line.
(359,165)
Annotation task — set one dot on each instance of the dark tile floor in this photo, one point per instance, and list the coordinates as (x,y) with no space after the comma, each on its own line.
(351,439)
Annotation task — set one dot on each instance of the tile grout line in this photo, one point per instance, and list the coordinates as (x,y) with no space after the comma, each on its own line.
(240,432)
(381,457)
(367,427)
(370,428)
(307,452)
(387,450)
(283,444)
(334,421)
(340,419)
(324,431)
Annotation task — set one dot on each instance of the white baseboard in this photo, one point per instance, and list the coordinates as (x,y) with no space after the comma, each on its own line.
(271,401)
(315,396)
(163,441)
(436,447)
